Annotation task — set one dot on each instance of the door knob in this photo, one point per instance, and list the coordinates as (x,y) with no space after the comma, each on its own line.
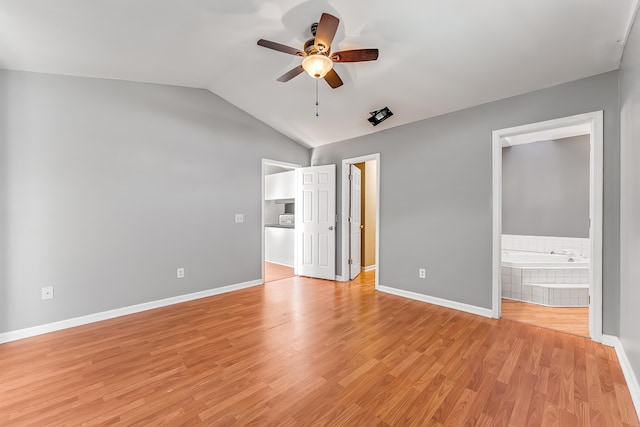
(331,227)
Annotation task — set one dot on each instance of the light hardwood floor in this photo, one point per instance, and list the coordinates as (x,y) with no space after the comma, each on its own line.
(572,320)
(366,278)
(310,352)
(273,272)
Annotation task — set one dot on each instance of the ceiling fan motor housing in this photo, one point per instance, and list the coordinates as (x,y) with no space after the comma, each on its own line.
(310,48)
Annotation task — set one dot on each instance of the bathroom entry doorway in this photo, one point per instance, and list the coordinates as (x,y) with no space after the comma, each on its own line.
(360,219)
(550,274)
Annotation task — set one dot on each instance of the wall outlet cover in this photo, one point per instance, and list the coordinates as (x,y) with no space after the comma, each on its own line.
(180,273)
(422,273)
(239,218)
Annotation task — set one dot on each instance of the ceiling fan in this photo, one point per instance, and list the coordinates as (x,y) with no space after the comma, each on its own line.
(317,57)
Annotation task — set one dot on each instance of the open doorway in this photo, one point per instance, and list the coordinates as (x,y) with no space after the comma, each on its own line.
(360,219)
(278,220)
(547,258)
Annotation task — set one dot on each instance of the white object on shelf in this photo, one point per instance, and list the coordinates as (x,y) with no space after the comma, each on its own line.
(280,185)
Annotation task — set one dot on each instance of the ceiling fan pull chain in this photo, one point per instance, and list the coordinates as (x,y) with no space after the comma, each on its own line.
(317,97)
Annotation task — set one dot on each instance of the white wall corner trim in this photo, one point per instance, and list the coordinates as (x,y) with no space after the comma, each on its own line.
(627,370)
(110,314)
(480,311)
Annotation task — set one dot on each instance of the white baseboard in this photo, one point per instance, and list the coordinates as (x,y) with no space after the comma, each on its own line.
(368,268)
(627,369)
(480,311)
(279,263)
(110,314)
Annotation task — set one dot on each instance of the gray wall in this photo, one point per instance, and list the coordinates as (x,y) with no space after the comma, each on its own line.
(106,187)
(545,188)
(436,191)
(630,199)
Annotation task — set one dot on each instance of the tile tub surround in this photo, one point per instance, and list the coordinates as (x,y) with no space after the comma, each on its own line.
(567,287)
(546,244)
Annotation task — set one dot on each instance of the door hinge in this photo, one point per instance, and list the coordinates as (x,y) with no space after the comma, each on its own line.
(350,177)
(348,219)
(589,299)
(350,261)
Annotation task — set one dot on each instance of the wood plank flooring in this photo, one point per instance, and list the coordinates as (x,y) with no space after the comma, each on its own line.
(310,352)
(572,320)
(366,278)
(273,272)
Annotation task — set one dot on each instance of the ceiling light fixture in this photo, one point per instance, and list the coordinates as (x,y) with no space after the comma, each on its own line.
(317,66)
(379,116)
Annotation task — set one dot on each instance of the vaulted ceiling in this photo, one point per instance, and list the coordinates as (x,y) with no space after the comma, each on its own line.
(436,56)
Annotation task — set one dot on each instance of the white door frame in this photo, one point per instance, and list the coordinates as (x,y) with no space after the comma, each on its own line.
(284,165)
(595,122)
(344,223)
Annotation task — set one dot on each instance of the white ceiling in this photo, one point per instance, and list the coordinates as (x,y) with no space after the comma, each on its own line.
(436,56)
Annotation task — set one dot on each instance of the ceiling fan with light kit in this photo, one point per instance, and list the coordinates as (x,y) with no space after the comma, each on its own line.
(317,58)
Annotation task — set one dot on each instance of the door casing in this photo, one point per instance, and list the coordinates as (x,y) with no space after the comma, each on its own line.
(344,223)
(595,122)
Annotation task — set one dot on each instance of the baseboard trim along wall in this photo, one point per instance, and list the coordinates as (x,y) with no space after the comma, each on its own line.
(627,370)
(480,311)
(340,279)
(280,263)
(368,268)
(110,314)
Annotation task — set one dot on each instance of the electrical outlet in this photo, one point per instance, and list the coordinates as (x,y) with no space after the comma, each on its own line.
(47,292)
(239,218)
(422,273)
(180,273)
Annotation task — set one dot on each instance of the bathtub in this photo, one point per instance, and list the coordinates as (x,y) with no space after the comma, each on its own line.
(541,260)
(547,279)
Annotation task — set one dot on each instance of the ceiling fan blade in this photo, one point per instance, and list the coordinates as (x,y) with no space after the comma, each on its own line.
(290,74)
(325,32)
(280,47)
(333,79)
(356,55)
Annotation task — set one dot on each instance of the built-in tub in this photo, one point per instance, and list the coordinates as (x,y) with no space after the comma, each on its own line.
(547,279)
(524,259)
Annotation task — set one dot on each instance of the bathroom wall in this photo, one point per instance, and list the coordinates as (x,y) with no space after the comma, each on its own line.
(545,188)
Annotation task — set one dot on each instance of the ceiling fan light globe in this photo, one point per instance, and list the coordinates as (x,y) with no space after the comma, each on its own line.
(317,66)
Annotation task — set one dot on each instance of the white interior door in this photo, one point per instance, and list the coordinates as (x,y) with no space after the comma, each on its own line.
(316,222)
(355,221)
